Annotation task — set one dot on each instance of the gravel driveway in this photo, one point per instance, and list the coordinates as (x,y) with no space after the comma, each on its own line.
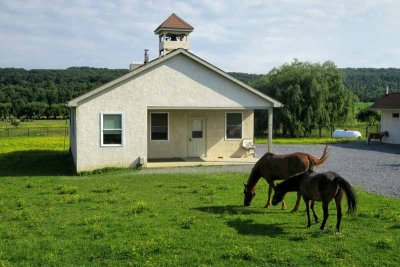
(375,167)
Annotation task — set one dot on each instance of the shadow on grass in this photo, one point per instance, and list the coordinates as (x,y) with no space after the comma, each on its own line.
(395,227)
(229,209)
(247,227)
(36,163)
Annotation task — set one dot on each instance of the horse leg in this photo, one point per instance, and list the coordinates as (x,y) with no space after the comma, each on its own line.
(269,204)
(308,212)
(283,204)
(283,200)
(338,200)
(312,208)
(296,206)
(325,205)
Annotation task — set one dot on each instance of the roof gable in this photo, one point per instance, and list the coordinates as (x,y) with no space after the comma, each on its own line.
(389,101)
(153,63)
(174,22)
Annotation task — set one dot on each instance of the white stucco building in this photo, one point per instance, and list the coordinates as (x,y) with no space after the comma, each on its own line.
(389,106)
(176,106)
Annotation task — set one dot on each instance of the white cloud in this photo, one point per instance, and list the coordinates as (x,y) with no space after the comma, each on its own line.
(248,36)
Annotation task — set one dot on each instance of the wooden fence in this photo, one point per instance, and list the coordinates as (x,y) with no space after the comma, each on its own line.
(33,131)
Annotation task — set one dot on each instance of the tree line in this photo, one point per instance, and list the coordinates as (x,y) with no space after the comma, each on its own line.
(33,94)
(367,83)
(313,94)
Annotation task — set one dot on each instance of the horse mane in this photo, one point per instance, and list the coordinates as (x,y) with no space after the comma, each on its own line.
(292,183)
(253,177)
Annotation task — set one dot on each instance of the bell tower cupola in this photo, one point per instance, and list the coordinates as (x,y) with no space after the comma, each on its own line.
(173,34)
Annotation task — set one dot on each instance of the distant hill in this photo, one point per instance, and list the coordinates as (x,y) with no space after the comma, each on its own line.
(247,78)
(52,86)
(369,83)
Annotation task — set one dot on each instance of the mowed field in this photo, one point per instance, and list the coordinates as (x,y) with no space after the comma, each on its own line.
(126,218)
(34,128)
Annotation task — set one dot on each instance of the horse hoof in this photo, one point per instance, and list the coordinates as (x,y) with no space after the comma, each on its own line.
(267,206)
(294,210)
(309,226)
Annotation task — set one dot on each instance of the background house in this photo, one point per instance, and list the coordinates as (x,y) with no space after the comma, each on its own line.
(176,106)
(389,106)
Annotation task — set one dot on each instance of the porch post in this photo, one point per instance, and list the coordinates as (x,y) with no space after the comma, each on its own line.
(270,119)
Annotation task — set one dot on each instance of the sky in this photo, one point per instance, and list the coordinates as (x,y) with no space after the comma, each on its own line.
(250,36)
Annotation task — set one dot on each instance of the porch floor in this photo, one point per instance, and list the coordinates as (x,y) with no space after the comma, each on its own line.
(204,161)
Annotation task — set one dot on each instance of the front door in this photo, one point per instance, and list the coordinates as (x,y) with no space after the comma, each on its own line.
(197,138)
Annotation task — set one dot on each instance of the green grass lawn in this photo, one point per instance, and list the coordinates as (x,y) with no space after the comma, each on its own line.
(124,217)
(362,105)
(308,140)
(38,123)
(45,155)
(14,144)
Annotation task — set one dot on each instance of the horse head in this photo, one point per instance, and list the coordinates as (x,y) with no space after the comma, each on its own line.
(249,194)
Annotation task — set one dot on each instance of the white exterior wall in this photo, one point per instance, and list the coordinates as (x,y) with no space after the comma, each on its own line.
(392,125)
(72,134)
(177,83)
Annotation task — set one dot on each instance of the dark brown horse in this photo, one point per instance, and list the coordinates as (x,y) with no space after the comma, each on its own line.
(377,136)
(323,187)
(279,167)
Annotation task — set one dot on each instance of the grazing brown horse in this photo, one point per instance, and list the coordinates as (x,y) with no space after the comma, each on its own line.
(323,187)
(274,167)
(377,136)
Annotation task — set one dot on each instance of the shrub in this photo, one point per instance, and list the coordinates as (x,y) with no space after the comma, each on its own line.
(369,116)
(139,207)
(15,122)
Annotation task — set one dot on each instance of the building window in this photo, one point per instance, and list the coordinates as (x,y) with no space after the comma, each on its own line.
(395,115)
(233,125)
(112,125)
(159,126)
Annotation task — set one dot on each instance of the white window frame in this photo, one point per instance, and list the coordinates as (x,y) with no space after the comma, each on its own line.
(226,120)
(122,129)
(168,122)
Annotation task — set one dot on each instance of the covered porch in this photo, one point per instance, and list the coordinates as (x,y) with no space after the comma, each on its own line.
(192,137)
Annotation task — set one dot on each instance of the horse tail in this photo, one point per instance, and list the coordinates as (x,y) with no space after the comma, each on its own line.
(315,162)
(350,194)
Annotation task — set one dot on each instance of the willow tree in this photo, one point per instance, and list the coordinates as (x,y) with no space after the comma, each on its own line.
(313,95)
